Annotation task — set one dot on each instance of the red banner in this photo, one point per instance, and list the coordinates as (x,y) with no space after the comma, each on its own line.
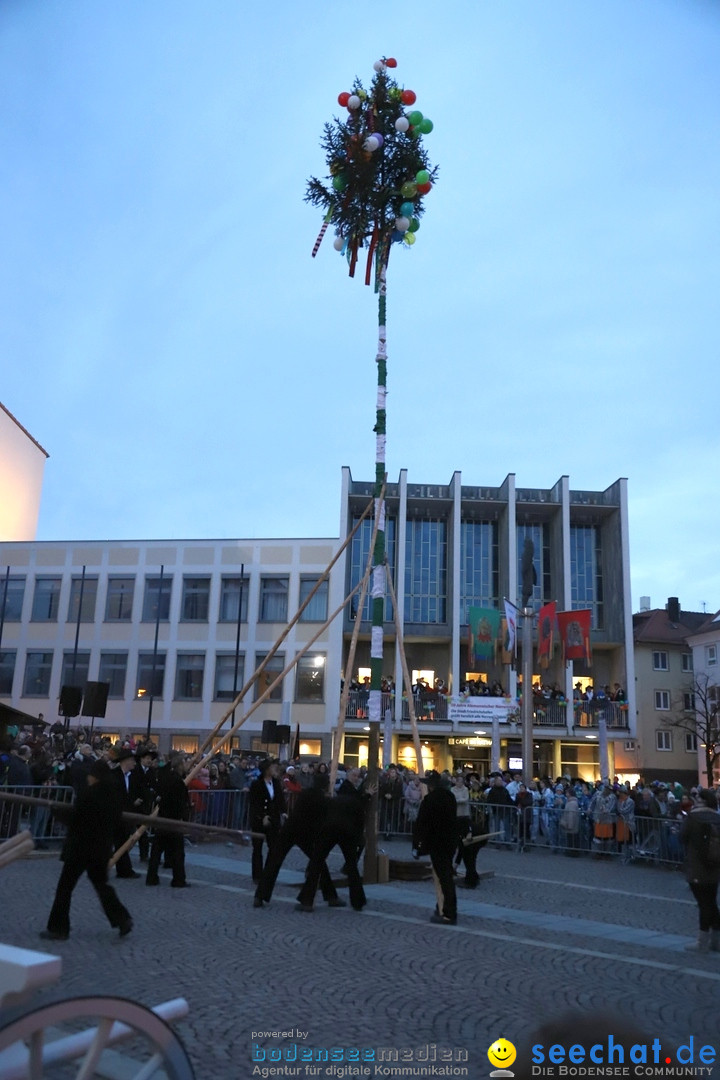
(546,633)
(575,634)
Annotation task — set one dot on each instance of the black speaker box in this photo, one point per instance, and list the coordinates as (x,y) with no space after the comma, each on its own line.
(70,700)
(282,735)
(269,731)
(95,699)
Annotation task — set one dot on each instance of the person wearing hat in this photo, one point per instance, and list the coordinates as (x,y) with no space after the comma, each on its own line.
(125,763)
(700,834)
(173,802)
(87,849)
(435,834)
(267,813)
(141,791)
(81,766)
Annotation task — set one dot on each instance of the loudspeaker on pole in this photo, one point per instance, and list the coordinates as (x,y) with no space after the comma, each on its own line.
(70,700)
(95,699)
(269,731)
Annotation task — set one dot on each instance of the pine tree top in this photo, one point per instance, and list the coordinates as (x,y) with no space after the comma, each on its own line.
(378,170)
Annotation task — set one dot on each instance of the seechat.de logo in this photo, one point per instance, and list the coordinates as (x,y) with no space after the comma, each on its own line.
(501,1054)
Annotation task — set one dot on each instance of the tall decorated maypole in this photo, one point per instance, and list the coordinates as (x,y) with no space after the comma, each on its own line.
(373,198)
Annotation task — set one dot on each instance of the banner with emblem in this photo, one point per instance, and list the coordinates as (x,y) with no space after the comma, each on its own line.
(546,633)
(484,629)
(574,627)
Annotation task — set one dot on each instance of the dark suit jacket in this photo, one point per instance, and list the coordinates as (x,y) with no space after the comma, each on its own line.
(92,826)
(436,825)
(262,806)
(173,794)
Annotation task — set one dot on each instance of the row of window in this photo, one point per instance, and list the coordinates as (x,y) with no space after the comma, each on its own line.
(426,566)
(661,659)
(150,671)
(664,741)
(663,701)
(195,601)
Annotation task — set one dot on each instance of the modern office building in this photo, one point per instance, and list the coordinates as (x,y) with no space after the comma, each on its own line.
(172,628)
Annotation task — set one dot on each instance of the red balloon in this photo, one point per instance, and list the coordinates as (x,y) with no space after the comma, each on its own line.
(391,62)
(422,189)
(408,97)
(343,99)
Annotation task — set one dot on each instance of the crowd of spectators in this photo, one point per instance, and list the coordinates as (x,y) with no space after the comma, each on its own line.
(564,814)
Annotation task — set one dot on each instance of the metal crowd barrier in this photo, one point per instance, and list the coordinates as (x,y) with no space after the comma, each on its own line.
(46,829)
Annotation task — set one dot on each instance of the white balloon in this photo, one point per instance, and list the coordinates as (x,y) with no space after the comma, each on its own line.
(379,65)
(402,123)
(338,243)
(402,224)
(371,143)
(353,102)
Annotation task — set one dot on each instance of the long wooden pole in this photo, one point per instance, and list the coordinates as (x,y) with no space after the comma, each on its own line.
(400,643)
(266,694)
(256,674)
(378,575)
(350,663)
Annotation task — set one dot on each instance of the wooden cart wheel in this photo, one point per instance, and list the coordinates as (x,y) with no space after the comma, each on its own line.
(26,1055)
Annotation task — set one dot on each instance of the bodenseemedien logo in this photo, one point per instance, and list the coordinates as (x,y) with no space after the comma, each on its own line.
(501,1054)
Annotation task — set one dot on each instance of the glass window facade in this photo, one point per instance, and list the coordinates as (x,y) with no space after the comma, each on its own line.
(478,566)
(310,679)
(426,571)
(113,670)
(150,684)
(233,597)
(7,671)
(75,668)
(156,603)
(12,592)
(586,578)
(539,533)
(46,599)
(119,601)
(195,599)
(270,673)
(86,610)
(274,599)
(225,684)
(38,668)
(317,609)
(359,551)
(189,673)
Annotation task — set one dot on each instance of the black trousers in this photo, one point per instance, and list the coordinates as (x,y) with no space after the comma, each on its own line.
(72,871)
(172,846)
(272,837)
(325,841)
(289,839)
(706,897)
(441,860)
(467,853)
(123,867)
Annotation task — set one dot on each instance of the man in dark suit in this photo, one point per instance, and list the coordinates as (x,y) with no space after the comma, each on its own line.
(141,792)
(301,828)
(87,849)
(435,834)
(267,813)
(343,825)
(125,763)
(173,802)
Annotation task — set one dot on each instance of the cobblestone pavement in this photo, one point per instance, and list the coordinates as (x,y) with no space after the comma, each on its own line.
(546,935)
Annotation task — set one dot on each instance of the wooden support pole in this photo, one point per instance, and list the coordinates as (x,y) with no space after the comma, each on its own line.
(400,644)
(340,732)
(256,674)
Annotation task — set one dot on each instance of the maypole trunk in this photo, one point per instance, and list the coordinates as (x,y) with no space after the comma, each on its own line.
(378,573)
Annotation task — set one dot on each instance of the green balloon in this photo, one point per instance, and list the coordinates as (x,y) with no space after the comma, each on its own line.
(422,177)
(426,125)
(415,118)
(414,225)
(339,182)
(408,190)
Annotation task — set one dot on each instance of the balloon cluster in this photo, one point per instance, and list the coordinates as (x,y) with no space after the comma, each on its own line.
(411,124)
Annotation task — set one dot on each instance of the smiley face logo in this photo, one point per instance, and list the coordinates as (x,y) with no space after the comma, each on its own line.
(502,1054)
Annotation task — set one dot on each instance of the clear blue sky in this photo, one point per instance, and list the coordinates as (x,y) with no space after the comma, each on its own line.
(166,336)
